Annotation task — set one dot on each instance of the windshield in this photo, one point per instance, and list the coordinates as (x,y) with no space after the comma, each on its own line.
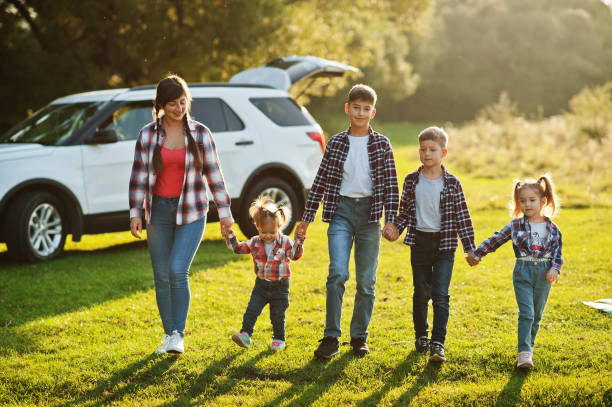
(51,124)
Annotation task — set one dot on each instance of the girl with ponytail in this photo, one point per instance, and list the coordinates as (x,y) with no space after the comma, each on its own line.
(537,245)
(271,251)
(174,160)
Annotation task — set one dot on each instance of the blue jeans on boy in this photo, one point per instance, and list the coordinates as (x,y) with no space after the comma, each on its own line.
(350,224)
(531,290)
(275,293)
(172,248)
(431,275)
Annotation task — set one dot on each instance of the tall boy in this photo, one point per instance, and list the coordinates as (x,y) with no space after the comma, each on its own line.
(356,180)
(434,211)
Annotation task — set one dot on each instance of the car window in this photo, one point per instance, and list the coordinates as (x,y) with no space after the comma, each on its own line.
(129,119)
(51,124)
(216,115)
(282,111)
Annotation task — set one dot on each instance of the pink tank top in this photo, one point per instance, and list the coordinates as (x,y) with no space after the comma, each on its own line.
(170,181)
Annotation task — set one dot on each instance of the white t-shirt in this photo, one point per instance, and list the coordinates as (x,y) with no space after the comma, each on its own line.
(356,179)
(268,248)
(538,235)
(427,196)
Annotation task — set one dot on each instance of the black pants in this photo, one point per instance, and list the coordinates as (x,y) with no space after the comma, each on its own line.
(275,293)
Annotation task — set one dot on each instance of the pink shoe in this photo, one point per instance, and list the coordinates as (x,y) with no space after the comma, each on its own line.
(242,339)
(277,344)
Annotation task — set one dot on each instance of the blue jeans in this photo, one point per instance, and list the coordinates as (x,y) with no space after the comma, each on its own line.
(531,290)
(350,224)
(275,293)
(431,275)
(172,248)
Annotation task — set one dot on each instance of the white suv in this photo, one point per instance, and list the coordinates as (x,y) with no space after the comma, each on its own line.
(65,169)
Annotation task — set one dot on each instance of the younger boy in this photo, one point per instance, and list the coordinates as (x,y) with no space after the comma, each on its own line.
(434,211)
(356,180)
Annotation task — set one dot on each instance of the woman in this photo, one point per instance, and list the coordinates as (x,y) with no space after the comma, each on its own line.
(175,158)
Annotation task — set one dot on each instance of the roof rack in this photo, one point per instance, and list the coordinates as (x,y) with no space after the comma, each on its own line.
(210,85)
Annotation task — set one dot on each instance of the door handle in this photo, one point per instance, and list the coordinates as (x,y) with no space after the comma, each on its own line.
(244,142)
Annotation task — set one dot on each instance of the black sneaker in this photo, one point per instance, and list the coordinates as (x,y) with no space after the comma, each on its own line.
(328,348)
(436,352)
(421,344)
(360,347)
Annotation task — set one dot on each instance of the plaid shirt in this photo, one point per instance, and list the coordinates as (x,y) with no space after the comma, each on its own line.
(455,216)
(329,178)
(275,266)
(193,202)
(519,230)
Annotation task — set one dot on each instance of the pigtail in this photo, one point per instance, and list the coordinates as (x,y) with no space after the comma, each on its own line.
(193,146)
(548,191)
(158,165)
(514,204)
(282,214)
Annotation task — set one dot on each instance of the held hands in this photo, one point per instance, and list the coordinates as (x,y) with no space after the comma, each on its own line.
(552,275)
(471,260)
(390,232)
(226,226)
(136,227)
(300,231)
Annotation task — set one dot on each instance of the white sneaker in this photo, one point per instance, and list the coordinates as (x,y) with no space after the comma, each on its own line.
(176,343)
(523,361)
(165,340)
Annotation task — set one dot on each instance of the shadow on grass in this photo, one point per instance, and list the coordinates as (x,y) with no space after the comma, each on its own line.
(428,376)
(84,278)
(509,396)
(206,385)
(399,373)
(139,375)
(311,388)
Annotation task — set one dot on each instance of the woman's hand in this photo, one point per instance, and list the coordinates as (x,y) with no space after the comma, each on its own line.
(552,275)
(226,225)
(136,227)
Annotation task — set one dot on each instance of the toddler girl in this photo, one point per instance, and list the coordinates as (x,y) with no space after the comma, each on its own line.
(271,251)
(537,245)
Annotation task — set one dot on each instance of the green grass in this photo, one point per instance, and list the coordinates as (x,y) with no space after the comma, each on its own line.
(80,330)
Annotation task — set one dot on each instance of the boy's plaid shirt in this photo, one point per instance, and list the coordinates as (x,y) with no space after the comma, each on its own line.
(193,202)
(329,178)
(274,267)
(454,214)
(519,230)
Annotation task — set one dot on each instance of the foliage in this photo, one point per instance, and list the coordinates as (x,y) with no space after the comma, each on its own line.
(574,146)
(539,52)
(60,47)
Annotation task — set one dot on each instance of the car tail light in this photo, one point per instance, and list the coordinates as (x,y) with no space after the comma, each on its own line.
(316,136)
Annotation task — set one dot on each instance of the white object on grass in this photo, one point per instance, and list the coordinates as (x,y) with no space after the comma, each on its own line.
(604,305)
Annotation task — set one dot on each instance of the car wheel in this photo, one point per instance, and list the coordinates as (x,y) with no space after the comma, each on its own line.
(36,228)
(281,193)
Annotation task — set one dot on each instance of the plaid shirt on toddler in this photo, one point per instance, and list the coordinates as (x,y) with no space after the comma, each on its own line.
(519,230)
(275,266)
(454,214)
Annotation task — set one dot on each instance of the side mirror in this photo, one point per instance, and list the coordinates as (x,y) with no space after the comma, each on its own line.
(104,136)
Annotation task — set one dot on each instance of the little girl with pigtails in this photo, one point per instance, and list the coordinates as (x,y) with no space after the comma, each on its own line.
(272,252)
(537,245)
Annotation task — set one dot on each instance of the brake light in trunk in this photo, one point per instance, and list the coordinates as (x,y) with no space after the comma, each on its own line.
(316,136)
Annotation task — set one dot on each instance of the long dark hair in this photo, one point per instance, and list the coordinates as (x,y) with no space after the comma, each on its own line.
(168,89)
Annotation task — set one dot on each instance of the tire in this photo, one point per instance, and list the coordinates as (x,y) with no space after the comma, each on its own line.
(37,228)
(281,192)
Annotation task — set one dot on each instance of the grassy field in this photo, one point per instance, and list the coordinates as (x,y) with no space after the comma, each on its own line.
(80,330)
